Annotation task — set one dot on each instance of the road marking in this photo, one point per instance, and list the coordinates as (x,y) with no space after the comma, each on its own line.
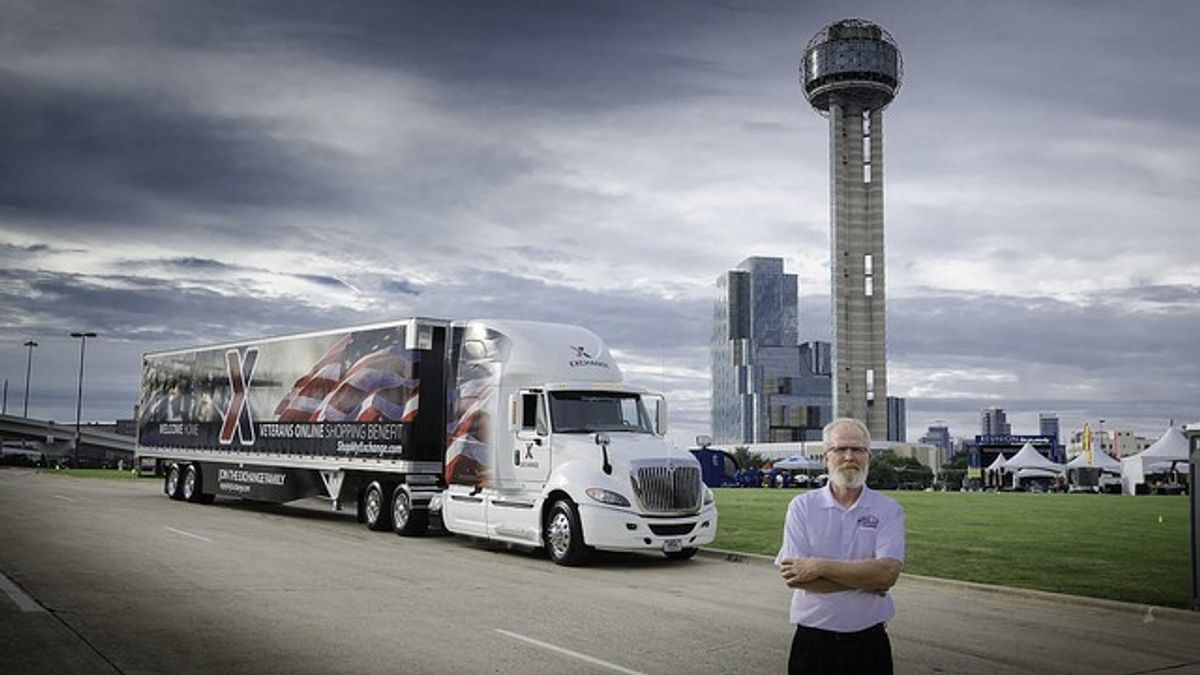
(23,601)
(66,499)
(189,534)
(582,657)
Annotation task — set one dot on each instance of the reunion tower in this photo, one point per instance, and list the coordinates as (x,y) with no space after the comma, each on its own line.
(850,72)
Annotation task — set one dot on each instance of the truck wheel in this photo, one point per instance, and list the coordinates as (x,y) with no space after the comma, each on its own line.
(563,535)
(681,554)
(406,520)
(172,483)
(190,490)
(377,510)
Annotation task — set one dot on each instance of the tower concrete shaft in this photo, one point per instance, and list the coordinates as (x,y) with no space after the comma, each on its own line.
(851,70)
(857,264)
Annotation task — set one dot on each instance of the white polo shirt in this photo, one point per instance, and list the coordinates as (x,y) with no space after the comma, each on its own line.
(817,526)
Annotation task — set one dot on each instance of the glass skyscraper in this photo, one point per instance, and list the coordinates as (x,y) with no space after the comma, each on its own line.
(766,386)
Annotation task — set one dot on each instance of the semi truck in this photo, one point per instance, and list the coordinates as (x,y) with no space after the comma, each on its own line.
(513,431)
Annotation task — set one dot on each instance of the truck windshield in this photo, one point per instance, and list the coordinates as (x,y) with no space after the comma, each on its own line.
(580,412)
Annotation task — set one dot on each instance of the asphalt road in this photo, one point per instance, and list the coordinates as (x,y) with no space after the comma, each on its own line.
(104,576)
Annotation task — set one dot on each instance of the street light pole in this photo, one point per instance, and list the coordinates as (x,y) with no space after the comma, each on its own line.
(28,367)
(83,336)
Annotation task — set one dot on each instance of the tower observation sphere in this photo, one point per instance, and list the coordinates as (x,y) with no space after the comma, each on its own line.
(853,60)
(850,71)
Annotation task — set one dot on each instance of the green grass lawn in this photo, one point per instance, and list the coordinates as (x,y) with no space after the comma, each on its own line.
(1106,546)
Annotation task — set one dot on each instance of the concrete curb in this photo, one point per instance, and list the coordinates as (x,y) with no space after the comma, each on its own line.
(1159,612)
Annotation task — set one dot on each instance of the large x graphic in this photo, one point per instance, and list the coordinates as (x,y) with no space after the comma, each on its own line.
(237,415)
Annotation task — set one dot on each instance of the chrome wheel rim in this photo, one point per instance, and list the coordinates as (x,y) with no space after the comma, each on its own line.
(372,506)
(172,480)
(559,534)
(189,484)
(400,510)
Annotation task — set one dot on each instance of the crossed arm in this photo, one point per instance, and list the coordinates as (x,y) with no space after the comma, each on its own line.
(825,575)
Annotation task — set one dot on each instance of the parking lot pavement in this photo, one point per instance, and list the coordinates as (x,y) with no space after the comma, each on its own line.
(135,583)
(34,640)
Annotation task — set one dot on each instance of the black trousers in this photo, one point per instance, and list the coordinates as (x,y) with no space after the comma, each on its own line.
(823,652)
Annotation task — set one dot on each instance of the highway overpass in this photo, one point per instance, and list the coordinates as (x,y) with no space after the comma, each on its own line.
(56,440)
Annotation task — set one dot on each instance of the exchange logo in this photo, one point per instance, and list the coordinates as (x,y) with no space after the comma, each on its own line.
(237,415)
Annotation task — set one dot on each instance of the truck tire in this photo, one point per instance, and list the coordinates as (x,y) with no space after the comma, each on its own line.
(173,482)
(563,535)
(682,554)
(189,490)
(377,507)
(407,521)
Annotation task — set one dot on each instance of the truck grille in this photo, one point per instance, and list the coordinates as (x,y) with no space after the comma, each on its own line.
(667,489)
(672,530)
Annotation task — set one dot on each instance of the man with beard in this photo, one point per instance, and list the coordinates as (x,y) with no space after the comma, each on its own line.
(843,548)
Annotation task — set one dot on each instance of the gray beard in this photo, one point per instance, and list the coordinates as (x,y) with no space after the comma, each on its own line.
(850,479)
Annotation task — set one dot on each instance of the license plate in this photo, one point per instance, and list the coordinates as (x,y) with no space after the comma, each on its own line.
(672,546)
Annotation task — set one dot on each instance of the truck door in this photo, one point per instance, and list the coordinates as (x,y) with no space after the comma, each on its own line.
(532,451)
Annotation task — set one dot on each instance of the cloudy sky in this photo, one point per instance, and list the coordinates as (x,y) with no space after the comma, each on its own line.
(174,173)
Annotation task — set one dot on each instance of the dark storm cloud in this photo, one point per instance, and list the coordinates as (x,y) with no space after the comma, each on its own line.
(1098,333)
(401,286)
(1110,355)
(323,280)
(1025,56)
(202,264)
(80,154)
(512,54)
(14,250)
(627,319)
(1188,297)
(148,310)
(209,268)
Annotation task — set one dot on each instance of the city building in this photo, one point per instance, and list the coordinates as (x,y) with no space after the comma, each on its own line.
(1117,444)
(767,387)
(850,71)
(897,419)
(938,435)
(994,422)
(1048,425)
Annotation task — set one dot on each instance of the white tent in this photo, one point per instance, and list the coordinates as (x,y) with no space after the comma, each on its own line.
(800,463)
(997,468)
(1100,460)
(997,464)
(1028,458)
(1169,451)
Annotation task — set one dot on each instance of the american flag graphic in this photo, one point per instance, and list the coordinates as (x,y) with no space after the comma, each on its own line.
(363,377)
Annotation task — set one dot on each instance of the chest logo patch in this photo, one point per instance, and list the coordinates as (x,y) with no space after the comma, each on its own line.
(868,521)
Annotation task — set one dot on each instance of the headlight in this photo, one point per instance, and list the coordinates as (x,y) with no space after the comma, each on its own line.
(708,496)
(607,497)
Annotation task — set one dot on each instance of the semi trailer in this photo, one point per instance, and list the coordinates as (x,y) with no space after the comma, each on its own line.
(513,431)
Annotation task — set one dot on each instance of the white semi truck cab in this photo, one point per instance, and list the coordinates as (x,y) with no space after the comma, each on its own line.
(574,458)
(514,431)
